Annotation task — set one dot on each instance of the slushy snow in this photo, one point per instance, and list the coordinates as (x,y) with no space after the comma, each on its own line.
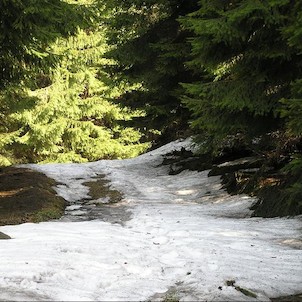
(186,238)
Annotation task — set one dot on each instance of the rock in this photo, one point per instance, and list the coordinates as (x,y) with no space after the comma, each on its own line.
(4,236)
(191,163)
(239,164)
(186,160)
(183,153)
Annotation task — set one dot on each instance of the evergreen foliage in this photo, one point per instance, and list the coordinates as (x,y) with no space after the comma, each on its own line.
(67,114)
(151,50)
(292,105)
(28,27)
(82,80)
(248,60)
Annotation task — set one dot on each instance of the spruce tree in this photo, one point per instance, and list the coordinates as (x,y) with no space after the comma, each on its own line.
(150,51)
(66,114)
(248,55)
(27,28)
(291,111)
(247,64)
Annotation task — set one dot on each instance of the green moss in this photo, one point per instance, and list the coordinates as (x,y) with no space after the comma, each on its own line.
(101,189)
(47,214)
(171,297)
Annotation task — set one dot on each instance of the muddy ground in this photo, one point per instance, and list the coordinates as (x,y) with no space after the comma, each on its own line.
(27,196)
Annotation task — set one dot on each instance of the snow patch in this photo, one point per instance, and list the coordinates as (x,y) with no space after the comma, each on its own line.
(187,238)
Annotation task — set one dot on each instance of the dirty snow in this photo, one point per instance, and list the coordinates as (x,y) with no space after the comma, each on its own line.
(186,238)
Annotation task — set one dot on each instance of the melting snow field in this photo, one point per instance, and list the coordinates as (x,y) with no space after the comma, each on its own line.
(186,238)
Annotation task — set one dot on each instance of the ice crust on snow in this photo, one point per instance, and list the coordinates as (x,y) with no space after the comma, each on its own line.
(186,233)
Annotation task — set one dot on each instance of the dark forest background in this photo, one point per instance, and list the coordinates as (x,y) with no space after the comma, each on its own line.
(90,79)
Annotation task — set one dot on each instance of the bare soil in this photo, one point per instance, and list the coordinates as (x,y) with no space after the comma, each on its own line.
(27,196)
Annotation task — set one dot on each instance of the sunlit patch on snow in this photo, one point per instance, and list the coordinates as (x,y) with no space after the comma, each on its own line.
(186,192)
(238,233)
(295,243)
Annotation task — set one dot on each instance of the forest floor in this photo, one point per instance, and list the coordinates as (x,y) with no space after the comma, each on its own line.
(133,232)
(28,196)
